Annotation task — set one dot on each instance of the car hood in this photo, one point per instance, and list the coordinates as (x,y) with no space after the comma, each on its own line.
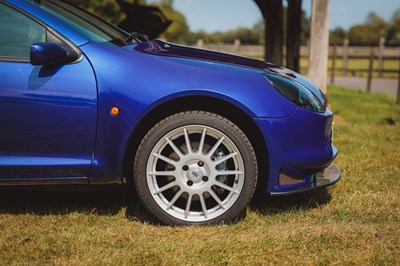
(158,47)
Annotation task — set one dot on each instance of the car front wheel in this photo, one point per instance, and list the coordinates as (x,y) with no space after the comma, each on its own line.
(195,168)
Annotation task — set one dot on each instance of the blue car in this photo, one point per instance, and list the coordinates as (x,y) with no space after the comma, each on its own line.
(194,131)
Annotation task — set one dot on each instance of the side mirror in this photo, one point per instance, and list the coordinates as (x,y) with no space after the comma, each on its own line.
(47,53)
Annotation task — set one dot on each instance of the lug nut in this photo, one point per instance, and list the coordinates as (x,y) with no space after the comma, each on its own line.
(200,163)
(189,183)
(185,168)
(205,178)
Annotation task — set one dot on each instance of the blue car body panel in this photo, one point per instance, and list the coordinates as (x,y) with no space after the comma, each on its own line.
(56,122)
(151,83)
(306,151)
(49,118)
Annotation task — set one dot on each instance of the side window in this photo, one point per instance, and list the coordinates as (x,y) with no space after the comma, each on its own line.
(17,33)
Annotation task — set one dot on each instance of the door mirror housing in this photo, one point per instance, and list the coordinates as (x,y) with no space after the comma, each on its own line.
(48,53)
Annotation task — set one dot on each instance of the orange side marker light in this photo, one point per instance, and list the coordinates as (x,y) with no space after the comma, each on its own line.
(114,111)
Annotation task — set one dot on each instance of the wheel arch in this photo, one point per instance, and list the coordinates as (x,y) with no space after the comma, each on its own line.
(216,105)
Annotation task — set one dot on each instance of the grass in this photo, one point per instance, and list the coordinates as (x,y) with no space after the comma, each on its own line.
(357,221)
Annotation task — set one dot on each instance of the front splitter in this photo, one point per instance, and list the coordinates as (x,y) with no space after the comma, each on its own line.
(327,177)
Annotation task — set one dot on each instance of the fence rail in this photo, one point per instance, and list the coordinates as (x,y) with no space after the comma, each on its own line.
(353,51)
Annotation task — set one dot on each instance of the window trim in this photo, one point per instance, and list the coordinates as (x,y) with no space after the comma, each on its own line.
(14,59)
(48,29)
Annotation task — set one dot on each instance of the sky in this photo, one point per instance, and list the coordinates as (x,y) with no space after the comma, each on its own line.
(217,15)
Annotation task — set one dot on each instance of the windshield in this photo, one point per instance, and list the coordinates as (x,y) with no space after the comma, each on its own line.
(90,26)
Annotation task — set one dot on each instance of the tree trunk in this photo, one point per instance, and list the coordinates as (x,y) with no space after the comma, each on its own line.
(293,30)
(272,12)
(319,43)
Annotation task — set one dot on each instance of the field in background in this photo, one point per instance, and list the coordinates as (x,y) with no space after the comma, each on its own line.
(357,58)
(357,221)
(354,66)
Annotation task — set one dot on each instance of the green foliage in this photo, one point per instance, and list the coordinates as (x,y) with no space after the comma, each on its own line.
(393,33)
(167,3)
(363,34)
(259,29)
(374,28)
(370,32)
(396,16)
(378,23)
(245,35)
(337,36)
(179,29)
(108,10)
(254,35)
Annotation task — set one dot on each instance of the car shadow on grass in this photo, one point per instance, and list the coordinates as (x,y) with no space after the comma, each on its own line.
(111,201)
(268,205)
(58,201)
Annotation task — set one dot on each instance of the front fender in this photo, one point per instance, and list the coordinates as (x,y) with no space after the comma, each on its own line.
(137,83)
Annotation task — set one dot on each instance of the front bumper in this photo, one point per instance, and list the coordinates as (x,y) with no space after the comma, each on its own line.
(299,146)
(327,177)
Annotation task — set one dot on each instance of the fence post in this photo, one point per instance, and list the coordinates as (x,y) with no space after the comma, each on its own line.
(200,43)
(371,64)
(345,54)
(236,45)
(398,83)
(333,64)
(381,54)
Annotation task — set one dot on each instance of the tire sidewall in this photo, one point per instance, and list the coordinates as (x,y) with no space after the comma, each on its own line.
(195,118)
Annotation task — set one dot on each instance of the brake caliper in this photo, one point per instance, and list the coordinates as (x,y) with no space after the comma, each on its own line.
(220,167)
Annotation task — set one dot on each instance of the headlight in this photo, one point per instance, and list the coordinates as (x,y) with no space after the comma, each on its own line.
(295,92)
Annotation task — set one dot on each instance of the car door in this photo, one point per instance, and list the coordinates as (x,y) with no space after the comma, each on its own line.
(47,113)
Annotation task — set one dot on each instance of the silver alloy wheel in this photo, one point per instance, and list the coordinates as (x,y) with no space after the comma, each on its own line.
(195,173)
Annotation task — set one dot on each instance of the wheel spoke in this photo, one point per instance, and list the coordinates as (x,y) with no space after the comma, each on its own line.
(174,147)
(229,172)
(163,173)
(165,159)
(203,205)
(216,198)
(174,199)
(201,144)
(224,186)
(215,147)
(187,141)
(195,160)
(225,158)
(154,178)
(188,204)
(164,188)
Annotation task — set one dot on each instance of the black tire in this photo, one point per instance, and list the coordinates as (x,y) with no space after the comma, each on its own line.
(192,182)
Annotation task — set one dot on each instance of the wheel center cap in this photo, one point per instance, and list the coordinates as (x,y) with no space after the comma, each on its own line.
(195,174)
